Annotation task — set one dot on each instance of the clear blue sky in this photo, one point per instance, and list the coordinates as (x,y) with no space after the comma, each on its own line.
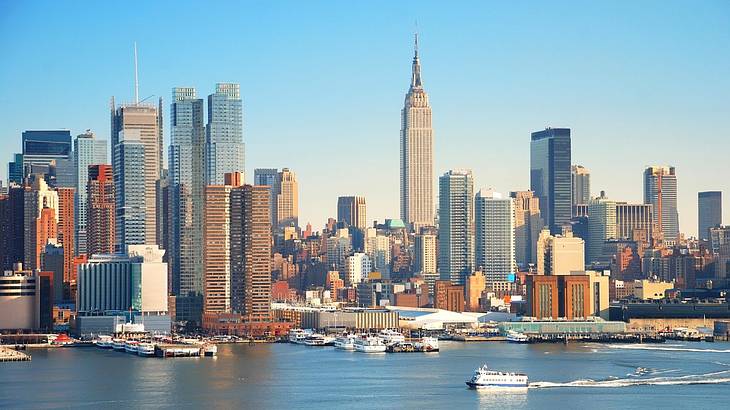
(323,83)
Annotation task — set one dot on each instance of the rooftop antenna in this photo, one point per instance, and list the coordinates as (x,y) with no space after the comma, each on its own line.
(416,35)
(136,77)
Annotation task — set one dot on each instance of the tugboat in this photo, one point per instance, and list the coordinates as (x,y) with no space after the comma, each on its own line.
(489,379)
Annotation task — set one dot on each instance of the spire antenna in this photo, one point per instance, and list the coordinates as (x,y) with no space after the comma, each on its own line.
(136,77)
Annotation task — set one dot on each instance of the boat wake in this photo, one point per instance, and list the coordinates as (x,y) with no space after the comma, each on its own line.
(667,348)
(707,378)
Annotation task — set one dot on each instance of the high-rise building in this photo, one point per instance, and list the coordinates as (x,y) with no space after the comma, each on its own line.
(287,200)
(251,243)
(559,254)
(49,152)
(40,220)
(351,211)
(87,151)
(224,148)
(495,236)
(136,135)
(377,247)
(416,154)
(550,175)
(15,169)
(130,192)
(456,225)
(424,261)
(581,184)
(601,226)
(634,221)
(66,229)
(270,178)
(709,212)
(660,190)
(476,283)
(358,268)
(528,224)
(186,192)
(100,225)
(217,247)
(12,228)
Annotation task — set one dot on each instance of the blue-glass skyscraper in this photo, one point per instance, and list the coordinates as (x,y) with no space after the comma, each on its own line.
(87,151)
(709,212)
(456,226)
(224,133)
(49,152)
(550,175)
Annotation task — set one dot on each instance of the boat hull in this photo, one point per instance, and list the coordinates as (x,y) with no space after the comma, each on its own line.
(480,386)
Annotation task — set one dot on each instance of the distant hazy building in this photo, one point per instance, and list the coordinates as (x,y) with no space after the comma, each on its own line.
(351,210)
(284,191)
(270,178)
(559,255)
(15,169)
(581,182)
(224,134)
(416,154)
(136,137)
(100,224)
(601,226)
(186,192)
(528,224)
(550,175)
(495,236)
(719,236)
(12,227)
(377,247)
(660,190)
(709,207)
(338,248)
(634,221)
(456,226)
(424,258)
(88,150)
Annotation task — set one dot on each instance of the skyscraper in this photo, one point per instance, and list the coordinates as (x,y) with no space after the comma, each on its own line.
(660,190)
(251,253)
(49,152)
(287,200)
(634,221)
(416,154)
(87,151)
(187,192)
(66,229)
(709,212)
(40,219)
(581,183)
(12,236)
(15,169)
(100,225)
(270,178)
(528,224)
(351,210)
(601,226)
(550,175)
(224,133)
(135,126)
(495,236)
(424,261)
(456,225)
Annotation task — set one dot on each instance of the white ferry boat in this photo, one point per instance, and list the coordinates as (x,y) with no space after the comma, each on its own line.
(428,344)
(104,342)
(489,379)
(298,336)
(390,337)
(118,344)
(369,344)
(316,339)
(131,346)
(146,349)
(345,342)
(517,337)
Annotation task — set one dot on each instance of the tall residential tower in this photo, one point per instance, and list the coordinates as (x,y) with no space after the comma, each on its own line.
(224,147)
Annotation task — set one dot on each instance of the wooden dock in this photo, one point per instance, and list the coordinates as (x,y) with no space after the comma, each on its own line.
(10,355)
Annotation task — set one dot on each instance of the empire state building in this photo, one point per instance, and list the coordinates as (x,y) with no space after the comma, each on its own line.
(416,154)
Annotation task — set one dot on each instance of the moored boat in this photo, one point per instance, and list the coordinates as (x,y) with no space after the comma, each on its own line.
(484,378)
(118,344)
(210,350)
(298,336)
(146,349)
(517,337)
(104,342)
(391,337)
(131,346)
(428,344)
(369,344)
(345,342)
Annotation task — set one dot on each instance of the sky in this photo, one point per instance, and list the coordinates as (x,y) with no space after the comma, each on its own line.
(323,83)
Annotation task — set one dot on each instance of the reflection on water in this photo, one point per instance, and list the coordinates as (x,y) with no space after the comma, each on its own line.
(277,376)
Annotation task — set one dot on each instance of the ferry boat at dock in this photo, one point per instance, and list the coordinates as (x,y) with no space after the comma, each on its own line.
(316,339)
(131,346)
(298,336)
(345,342)
(104,342)
(369,344)
(517,337)
(210,350)
(428,344)
(390,337)
(118,344)
(146,349)
(484,378)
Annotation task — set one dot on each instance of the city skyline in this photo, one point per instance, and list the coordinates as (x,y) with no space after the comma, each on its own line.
(674,105)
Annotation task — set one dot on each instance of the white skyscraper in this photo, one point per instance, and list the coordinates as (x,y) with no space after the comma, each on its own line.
(495,235)
(87,151)
(224,134)
(416,154)
(456,226)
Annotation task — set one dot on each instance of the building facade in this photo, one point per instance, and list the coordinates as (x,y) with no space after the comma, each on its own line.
(660,190)
(495,236)
(709,212)
(456,226)
(100,209)
(351,210)
(581,184)
(88,150)
(528,224)
(601,226)
(224,148)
